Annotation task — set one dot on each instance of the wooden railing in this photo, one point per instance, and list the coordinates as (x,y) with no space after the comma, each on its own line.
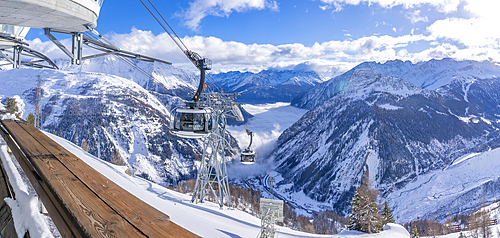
(81,201)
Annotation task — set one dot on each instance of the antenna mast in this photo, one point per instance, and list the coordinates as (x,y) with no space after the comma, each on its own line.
(38,114)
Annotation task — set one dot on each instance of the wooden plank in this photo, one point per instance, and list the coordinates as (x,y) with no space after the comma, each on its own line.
(89,214)
(146,218)
(92,214)
(55,210)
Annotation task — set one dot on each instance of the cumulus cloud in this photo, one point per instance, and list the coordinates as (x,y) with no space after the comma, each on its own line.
(415,17)
(478,31)
(200,9)
(329,58)
(441,5)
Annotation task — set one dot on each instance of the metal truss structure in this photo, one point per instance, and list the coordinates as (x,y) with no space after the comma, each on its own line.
(271,211)
(212,174)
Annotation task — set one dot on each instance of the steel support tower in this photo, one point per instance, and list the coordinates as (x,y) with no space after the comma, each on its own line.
(212,174)
(271,211)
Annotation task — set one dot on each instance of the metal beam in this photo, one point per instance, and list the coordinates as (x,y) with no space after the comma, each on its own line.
(98,45)
(58,44)
(2,55)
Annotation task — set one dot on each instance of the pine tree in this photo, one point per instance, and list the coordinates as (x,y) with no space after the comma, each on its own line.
(365,216)
(31,119)
(387,214)
(414,233)
(11,106)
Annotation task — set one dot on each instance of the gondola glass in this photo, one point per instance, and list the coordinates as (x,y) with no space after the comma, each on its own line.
(247,157)
(192,122)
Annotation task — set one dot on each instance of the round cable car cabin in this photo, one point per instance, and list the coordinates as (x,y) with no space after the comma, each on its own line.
(192,122)
(248,155)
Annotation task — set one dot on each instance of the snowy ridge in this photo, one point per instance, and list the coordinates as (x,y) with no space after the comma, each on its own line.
(268,86)
(431,75)
(119,119)
(454,189)
(398,131)
(156,77)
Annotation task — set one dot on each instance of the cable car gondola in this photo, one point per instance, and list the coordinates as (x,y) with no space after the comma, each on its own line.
(248,155)
(194,121)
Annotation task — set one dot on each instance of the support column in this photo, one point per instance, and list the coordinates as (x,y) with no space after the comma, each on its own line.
(16,57)
(76,48)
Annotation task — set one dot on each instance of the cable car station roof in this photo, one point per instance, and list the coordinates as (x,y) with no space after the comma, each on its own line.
(62,15)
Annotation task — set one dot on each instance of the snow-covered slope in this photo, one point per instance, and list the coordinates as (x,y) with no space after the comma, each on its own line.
(205,219)
(155,76)
(268,86)
(387,125)
(119,119)
(454,189)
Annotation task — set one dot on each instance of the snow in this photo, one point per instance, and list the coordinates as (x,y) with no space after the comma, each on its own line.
(8,116)
(438,189)
(205,219)
(390,231)
(464,158)
(388,106)
(25,207)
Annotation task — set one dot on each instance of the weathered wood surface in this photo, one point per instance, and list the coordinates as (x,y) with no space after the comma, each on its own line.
(6,221)
(90,204)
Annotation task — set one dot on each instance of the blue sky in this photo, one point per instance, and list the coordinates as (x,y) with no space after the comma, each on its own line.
(329,36)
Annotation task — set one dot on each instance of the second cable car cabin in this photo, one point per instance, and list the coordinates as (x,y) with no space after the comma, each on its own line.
(193,122)
(248,155)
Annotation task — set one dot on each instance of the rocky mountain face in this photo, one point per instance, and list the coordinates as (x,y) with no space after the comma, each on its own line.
(123,118)
(268,86)
(365,119)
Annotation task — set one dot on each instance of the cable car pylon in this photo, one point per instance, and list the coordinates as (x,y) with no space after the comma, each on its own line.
(205,116)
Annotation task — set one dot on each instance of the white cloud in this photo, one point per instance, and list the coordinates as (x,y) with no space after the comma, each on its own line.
(441,5)
(200,9)
(478,31)
(329,58)
(415,17)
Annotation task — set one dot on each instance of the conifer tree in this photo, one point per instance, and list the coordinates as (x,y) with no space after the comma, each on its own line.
(365,216)
(414,233)
(11,106)
(31,119)
(387,214)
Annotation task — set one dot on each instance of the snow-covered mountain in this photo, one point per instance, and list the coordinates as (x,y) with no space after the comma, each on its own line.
(430,75)
(268,86)
(155,77)
(399,131)
(121,114)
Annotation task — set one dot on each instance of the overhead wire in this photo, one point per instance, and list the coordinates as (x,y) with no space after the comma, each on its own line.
(177,40)
(130,63)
